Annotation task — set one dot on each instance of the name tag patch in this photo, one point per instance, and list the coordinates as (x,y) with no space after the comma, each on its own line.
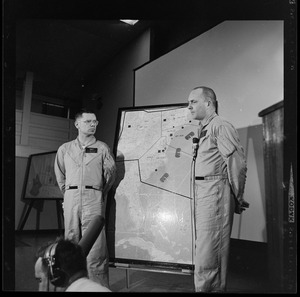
(203,133)
(91,150)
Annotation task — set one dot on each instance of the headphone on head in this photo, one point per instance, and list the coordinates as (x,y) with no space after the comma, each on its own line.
(57,276)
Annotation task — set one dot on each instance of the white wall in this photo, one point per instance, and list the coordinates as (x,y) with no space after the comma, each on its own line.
(243,62)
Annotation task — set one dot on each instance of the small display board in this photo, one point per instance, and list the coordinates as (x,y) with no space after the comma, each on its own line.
(40,180)
(40,185)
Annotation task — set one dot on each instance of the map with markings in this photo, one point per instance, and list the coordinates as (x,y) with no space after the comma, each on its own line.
(150,211)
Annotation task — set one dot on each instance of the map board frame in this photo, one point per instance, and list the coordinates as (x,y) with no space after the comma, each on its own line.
(118,247)
(40,185)
(40,181)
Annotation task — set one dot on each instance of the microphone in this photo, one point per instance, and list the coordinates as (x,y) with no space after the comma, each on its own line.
(195,146)
(91,234)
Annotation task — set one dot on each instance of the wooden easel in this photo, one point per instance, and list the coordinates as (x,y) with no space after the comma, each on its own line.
(25,215)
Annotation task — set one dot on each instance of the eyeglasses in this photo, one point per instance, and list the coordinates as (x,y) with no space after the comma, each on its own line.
(88,122)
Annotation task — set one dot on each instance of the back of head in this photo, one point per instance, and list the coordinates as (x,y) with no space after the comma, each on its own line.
(63,259)
(71,257)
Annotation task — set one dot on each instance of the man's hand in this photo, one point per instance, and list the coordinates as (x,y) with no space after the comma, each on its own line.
(241,206)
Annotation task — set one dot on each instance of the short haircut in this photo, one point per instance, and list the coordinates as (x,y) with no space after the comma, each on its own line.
(69,255)
(209,93)
(83,110)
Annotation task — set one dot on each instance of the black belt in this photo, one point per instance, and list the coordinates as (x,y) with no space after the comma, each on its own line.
(76,187)
(211,177)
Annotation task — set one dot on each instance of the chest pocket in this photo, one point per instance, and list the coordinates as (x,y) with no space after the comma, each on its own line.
(90,157)
(204,137)
(207,142)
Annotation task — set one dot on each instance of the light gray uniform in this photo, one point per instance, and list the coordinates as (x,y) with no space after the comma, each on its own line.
(81,174)
(220,180)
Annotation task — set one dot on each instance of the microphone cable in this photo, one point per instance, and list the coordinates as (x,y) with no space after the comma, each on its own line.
(193,191)
(193,205)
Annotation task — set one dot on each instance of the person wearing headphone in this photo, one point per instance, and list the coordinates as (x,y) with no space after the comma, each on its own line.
(61,266)
(41,272)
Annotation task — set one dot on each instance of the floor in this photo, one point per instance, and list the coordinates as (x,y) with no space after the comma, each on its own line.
(247,270)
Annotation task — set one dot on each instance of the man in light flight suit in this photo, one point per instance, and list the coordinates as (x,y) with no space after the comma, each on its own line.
(85,171)
(219,182)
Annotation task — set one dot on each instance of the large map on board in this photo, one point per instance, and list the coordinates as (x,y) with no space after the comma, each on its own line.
(150,213)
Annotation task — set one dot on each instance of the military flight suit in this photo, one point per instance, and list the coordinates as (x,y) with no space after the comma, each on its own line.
(81,174)
(220,175)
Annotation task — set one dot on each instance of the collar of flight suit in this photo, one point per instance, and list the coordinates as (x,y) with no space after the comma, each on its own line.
(92,141)
(76,154)
(201,131)
(208,120)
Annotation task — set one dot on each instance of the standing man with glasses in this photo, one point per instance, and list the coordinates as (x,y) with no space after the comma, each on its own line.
(85,171)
